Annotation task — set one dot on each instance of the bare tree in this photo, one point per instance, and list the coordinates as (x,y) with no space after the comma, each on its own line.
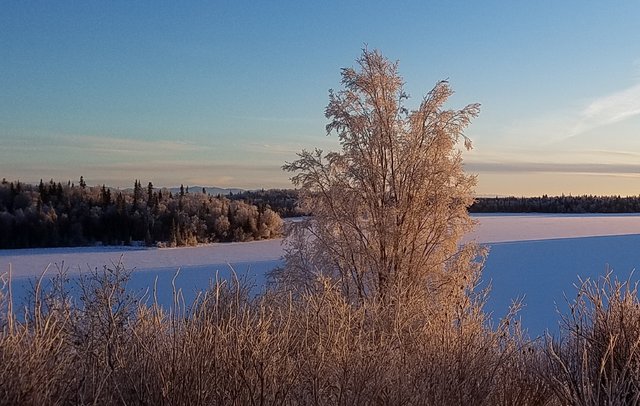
(390,208)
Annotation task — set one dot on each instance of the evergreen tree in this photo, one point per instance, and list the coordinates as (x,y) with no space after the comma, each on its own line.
(150,194)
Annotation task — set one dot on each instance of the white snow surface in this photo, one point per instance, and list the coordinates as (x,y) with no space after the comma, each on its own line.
(535,256)
(493,228)
(490,229)
(32,262)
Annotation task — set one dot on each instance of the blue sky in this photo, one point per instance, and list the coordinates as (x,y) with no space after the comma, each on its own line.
(222,93)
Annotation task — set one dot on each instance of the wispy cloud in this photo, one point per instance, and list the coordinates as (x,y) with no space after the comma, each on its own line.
(613,154)
(275,149)
(117,161)
(274,119)
(544,167)
(160,172)
(125,145)
(609,109)
(184,165)
(97,145)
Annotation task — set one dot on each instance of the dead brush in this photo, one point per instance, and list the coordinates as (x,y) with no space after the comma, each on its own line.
(596,361)
(231,347)
(34,367)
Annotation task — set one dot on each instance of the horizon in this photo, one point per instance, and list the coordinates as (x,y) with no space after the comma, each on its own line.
(225,94)
(198,188)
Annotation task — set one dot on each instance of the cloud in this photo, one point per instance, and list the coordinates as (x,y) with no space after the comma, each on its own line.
(609,109)
(91,145)
(274,119)
(116,161)
(541,167)
(95,144)
(183,165)
(285,149)
(160,172)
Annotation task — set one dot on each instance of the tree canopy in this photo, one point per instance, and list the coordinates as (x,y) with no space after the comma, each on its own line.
(390,207)
(53,214)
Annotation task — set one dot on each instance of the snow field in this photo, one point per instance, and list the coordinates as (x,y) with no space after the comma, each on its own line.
(538,257)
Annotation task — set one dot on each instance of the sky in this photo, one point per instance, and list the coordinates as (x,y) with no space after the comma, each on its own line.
(221,93)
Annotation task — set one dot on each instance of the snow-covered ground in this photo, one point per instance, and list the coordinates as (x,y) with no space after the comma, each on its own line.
(493,228)
(196,266)
(544,271)
(535,256)
(31,262)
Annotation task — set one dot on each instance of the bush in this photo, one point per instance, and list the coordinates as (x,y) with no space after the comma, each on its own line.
(231,347)
(597,359)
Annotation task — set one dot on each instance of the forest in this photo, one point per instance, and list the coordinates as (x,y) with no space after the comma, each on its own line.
(52,214)
(557,204)
(284,202)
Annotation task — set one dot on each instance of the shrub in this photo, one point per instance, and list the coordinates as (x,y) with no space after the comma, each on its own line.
(597,359)
(234,347)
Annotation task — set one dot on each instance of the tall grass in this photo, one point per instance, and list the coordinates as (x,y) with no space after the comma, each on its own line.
(107,346)
(597,361)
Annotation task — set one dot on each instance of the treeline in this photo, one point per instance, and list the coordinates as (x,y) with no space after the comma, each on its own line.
(557,204)
(52,214)
(285,203)
(282,201)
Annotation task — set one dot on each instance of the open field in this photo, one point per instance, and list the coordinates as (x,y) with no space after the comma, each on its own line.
(535,256)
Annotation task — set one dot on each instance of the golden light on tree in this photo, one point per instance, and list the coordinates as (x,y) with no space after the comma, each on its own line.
(390,207)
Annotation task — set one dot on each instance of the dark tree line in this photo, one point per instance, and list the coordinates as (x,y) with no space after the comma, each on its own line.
(557,204)
(285,203)
(53,214)
(282,201)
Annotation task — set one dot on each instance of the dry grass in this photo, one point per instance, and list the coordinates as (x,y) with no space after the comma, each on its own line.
(597,361)
(309,347)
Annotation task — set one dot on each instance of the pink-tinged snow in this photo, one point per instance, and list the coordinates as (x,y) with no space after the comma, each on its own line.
(493,228)
(490,229)
(544,272)
(31,262)
(535,256)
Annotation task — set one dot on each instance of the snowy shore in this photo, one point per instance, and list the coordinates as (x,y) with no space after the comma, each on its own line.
(535,256)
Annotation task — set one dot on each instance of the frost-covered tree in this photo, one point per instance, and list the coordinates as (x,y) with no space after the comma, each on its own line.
(389,208)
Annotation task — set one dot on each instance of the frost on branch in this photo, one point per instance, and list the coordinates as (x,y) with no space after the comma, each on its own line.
(390,207)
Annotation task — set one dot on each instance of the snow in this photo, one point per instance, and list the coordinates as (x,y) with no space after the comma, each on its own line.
(197,266)
(544,272)
(524,227)
(532,255)
(31,262)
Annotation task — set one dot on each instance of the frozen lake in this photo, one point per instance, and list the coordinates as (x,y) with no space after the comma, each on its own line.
(535,256)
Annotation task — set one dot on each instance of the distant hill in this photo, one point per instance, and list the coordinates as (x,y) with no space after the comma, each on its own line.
(212,190)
